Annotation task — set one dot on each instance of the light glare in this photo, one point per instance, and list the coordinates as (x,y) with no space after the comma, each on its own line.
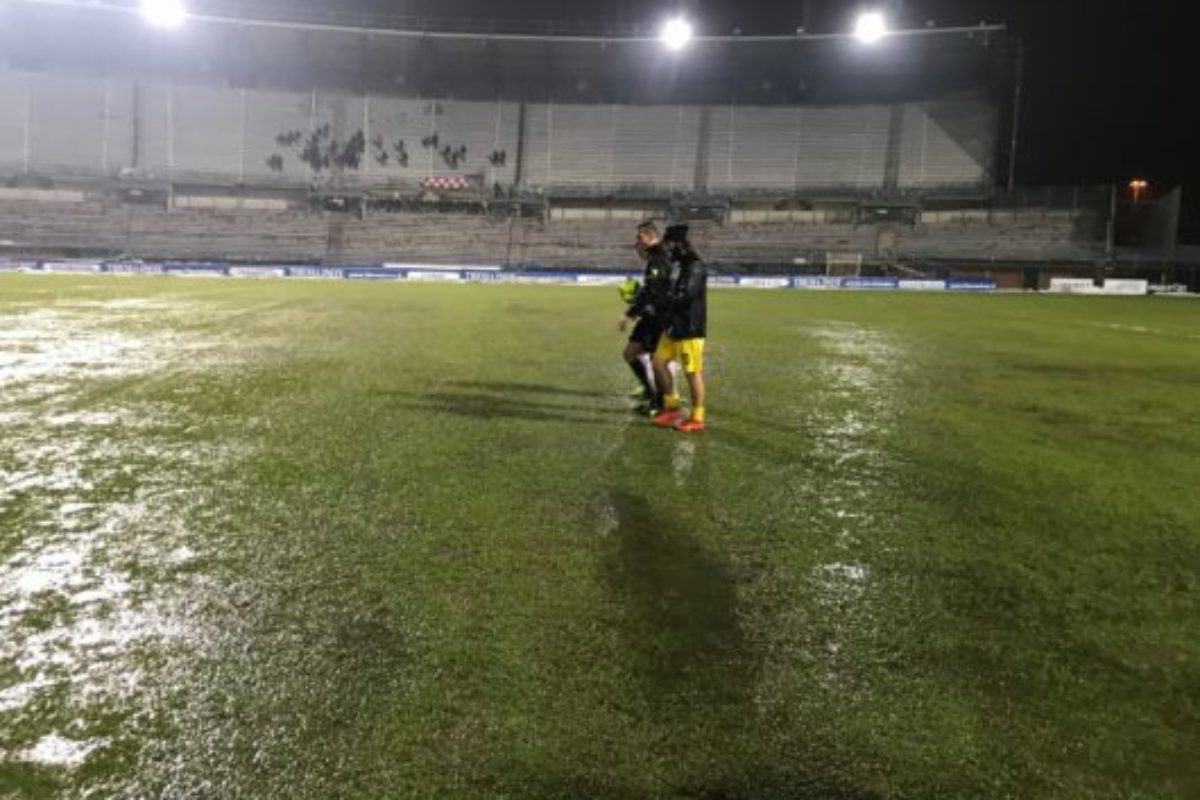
(164,13)
(870,27)
(676,33)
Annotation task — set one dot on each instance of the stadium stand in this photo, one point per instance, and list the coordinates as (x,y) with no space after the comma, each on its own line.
(606,147)
(1027,235)
(273,114)
(206,154)
(941,145)
(263,234)
(786,149)
(797,154)
(84,126)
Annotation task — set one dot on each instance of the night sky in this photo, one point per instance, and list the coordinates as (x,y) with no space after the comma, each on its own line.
(1106,82)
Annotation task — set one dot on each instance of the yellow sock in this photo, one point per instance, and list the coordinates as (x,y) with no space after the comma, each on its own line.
(698,413)
(672,401)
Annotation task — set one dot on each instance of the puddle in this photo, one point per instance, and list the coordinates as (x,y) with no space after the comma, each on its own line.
(58,751)
(842,574)
(853,410)
(99,569)
(42,352)
(683,456)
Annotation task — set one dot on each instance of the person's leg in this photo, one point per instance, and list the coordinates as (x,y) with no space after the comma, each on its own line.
(692,355)
(634,358)
(666,382)
(669,412)
(696,388)
(648,366)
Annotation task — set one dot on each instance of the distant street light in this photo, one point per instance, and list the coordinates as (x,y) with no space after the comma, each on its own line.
(870,27)
(676,34)
(164,13)
(1138,187)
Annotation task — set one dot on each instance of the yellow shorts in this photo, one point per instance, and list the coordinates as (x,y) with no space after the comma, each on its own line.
(688,352)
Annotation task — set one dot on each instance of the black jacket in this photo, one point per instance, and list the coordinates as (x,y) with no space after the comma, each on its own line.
(654,298)
(688,314)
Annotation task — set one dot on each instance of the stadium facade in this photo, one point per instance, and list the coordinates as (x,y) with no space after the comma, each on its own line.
(315,141)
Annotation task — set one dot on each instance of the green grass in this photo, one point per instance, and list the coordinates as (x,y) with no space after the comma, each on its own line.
(350,540)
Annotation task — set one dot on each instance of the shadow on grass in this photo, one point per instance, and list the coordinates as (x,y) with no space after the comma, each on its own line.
(681,623)
(526,388)
(490,407)
(698,669)
(785,781)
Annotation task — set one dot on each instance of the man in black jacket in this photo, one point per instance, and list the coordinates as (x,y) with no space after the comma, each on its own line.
(647,309)
(686,326)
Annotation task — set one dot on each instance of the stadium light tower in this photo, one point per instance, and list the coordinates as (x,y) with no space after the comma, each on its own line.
(164,13)
(870,27)
(676,33)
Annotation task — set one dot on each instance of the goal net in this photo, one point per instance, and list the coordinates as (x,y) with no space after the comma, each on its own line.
(843,264)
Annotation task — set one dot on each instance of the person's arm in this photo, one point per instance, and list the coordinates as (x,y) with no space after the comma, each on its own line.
(638,307)
(684,292)
(634,310)
(657,288)
(650,292)
(695,285)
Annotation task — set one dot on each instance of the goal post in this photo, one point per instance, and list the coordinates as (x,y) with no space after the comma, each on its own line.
(843,264)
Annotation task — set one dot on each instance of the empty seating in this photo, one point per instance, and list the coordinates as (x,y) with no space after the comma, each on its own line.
(947,143)
(1025,235)
(578,243)
(82,126)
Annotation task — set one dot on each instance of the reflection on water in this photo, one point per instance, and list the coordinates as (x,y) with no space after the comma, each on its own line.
(853,411)
(97,563)
(59,751)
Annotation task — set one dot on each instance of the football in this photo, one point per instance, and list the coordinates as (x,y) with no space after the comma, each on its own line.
(628,289)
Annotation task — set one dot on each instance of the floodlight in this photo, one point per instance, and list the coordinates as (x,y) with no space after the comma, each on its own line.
(676,33)
(870,27)
(164,13)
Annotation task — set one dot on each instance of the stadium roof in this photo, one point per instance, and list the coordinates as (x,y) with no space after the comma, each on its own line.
(565,62)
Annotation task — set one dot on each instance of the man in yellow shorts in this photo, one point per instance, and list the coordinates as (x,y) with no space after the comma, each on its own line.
(683,337)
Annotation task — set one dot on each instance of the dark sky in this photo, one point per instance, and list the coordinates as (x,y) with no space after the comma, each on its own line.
(1107,90)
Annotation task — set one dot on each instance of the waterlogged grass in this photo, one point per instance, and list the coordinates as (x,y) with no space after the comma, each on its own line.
(330,540)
